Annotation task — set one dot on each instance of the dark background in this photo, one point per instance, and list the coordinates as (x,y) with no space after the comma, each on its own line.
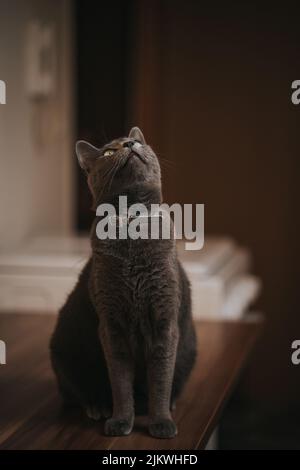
(211,88)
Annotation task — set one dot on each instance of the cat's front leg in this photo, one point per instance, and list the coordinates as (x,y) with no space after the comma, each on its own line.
(161,363)
(121,374)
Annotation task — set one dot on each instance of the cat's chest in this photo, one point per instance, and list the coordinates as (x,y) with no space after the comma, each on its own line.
(138,281)
(131,290)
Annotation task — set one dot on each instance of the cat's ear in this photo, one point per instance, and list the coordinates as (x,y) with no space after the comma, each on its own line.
(137,134)
(86,154)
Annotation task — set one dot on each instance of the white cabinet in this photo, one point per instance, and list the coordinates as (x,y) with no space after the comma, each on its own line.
(39,276)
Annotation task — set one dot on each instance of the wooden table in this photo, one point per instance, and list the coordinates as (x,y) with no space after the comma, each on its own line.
(31,416)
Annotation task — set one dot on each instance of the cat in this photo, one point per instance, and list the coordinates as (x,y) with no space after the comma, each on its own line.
(124,342)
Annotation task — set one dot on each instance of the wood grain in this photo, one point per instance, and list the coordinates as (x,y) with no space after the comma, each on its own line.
(31,415)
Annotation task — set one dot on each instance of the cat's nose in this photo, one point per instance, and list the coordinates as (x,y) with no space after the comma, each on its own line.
(128,143)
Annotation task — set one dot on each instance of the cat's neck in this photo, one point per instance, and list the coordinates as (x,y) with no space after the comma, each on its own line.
(137,194)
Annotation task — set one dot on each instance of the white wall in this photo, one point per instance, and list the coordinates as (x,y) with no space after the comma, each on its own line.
(36,136)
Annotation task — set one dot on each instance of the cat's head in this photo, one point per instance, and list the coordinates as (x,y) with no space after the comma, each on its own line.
(119,166)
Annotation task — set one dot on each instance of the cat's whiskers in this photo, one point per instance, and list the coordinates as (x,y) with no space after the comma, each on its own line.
(109,175)
(116,168)
(166,163)
(105,178)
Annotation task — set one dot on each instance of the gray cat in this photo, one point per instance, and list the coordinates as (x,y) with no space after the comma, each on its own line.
(124,343)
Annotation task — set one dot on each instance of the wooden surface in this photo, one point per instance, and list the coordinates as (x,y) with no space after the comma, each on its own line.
(31,416)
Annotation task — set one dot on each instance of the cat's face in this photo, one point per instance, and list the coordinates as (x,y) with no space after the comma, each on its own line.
(119,165)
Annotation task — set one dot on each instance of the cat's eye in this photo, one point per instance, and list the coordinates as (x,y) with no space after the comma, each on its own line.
(108,153)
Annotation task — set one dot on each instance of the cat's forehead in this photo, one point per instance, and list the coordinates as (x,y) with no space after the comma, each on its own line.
(116,142)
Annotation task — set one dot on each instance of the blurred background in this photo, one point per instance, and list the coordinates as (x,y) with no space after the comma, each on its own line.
(210,86)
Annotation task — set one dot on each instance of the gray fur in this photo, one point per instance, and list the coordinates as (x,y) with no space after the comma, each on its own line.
(125,340)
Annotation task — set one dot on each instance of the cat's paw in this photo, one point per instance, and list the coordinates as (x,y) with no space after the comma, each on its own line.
(93,412)
(163,428)
(118,427)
